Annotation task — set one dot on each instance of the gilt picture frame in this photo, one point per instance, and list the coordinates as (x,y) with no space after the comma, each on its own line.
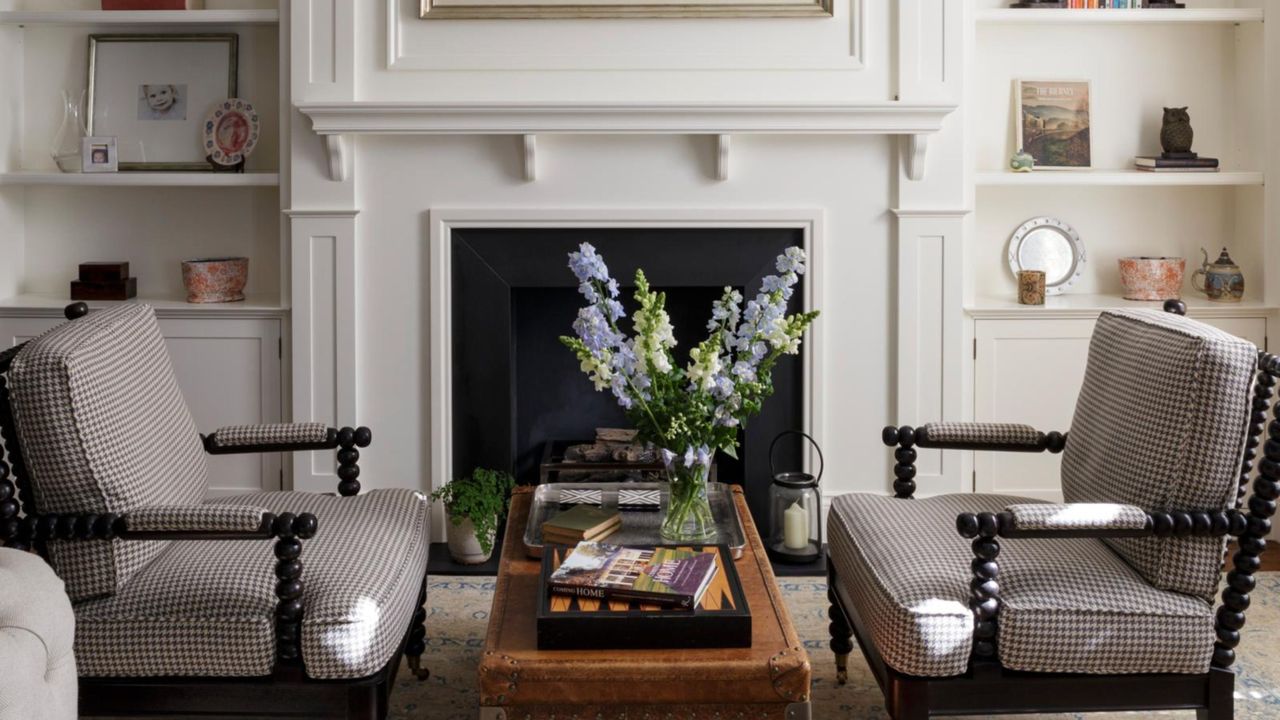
(1053,122)
(614,9)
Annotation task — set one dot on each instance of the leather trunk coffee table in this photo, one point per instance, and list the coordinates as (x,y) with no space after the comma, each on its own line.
(768,681)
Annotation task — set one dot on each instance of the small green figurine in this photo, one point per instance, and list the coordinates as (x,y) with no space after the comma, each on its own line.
(1022,161)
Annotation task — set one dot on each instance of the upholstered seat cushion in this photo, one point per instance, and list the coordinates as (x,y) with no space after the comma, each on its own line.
(37,668)
(207,607)
(1069,605)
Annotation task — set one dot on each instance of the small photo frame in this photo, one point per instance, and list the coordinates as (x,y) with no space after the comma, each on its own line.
(98,154)
(1053,122)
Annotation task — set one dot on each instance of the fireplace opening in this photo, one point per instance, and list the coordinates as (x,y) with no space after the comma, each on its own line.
(517,389)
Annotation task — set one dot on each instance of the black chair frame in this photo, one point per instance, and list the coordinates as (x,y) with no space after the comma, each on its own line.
(287,692)
(987,688)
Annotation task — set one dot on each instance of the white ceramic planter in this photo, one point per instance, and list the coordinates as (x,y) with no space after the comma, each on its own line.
(464,546)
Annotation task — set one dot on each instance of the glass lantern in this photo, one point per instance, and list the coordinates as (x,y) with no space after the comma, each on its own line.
(795,511)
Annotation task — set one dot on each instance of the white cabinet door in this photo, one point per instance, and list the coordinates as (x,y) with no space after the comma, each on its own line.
(229,372)
(1030,371)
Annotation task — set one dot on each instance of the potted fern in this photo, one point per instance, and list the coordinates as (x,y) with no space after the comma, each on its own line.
(474,504)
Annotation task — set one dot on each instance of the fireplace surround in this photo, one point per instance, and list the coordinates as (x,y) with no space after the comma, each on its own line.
(503,295)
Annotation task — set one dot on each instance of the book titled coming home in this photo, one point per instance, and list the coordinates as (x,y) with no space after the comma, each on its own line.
(664,576)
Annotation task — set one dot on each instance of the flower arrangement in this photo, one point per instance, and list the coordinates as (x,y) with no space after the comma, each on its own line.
(688,412)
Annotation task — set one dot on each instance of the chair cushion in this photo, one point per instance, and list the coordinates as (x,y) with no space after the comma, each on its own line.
(1160,424)
(103,428)
(36,631)
(1069,605)
(207,607)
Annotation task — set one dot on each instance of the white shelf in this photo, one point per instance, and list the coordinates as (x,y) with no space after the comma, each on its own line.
(52,304)
(142,179)
(140,17)
(1082,305)
(1012,16)
(1002,178)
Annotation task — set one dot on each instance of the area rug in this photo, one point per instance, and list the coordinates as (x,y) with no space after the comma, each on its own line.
(459,611)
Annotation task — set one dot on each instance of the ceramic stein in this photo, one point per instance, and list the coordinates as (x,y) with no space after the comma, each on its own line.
(1221,281)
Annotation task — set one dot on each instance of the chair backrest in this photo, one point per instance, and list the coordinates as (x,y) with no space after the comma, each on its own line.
(103,428)
(1161,423)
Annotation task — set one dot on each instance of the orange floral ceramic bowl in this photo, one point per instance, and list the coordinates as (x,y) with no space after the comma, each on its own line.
(215,280)
(1152,278)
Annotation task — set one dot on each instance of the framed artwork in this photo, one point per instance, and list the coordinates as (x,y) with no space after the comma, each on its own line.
(561,9)
(1053,122)
(154,91)
(98,155)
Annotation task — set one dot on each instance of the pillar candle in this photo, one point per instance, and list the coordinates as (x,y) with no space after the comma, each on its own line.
(795,534)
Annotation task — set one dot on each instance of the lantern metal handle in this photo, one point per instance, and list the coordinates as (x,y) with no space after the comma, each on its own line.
(773,471)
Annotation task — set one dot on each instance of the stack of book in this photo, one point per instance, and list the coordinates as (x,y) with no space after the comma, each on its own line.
(669,577)
(580,523)
(1159,163)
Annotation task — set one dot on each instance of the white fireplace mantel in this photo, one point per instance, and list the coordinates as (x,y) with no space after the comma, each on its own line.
(337,121)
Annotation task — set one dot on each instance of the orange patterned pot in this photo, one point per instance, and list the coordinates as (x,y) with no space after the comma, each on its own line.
(215,280)
(1152,278)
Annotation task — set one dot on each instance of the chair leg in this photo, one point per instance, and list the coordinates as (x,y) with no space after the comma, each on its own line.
(418,637)
(1222,685)
(841,634)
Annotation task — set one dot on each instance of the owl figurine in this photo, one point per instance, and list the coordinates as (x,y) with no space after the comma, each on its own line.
(1176,134)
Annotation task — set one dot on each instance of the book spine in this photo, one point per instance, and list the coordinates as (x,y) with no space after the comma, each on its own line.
(606,594)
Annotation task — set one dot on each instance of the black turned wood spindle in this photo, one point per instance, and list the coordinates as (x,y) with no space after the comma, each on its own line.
(1252,541)
(290,530)
(9,505)
(75,311)
(984,588)
(904,469)
(417,644)
(349,457)
(1263,389)
(1175,306)
(841,633)
(9,436)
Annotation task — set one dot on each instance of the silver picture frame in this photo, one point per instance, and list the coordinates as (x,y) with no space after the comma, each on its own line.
(615,9)
(193,115)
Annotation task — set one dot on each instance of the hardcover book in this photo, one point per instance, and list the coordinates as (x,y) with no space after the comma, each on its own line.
(672,577)
(581,522)
(1149,162)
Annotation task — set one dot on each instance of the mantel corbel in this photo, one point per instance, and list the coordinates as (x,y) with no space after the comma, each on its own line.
(336,122)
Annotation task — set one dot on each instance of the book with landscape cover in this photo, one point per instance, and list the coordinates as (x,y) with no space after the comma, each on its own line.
(672,577)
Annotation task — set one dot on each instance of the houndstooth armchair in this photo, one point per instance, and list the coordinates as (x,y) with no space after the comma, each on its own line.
(273,603)
(984,604)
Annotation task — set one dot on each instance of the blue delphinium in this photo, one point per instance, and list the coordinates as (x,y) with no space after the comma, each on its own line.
(690,412)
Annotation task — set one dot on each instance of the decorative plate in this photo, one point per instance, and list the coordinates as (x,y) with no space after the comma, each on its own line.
(231,131)
(1050,245)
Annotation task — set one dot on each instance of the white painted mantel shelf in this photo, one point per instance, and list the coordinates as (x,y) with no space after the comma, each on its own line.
(336,121)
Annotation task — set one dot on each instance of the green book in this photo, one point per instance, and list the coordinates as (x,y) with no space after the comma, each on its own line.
(581,521)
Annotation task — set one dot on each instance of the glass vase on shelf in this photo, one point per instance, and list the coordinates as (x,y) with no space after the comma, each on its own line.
(688,517)
(66,143)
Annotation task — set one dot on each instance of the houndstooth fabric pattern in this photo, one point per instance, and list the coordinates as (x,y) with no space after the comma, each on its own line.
(1160,424)
(196,518)
(206,608)
(1069,605)
(982,433)
(270,434)
(104,428)
(1077,516)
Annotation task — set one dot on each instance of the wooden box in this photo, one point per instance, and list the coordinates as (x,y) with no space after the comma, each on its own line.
(722,619)
(152,4)
(122,290)
(104,272)
(767,681)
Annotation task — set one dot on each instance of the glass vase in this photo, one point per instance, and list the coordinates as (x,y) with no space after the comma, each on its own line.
(66,144)
(688,516)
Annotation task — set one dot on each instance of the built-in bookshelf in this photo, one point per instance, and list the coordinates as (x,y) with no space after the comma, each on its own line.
(51,220)
(1138,61)
(139,17)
